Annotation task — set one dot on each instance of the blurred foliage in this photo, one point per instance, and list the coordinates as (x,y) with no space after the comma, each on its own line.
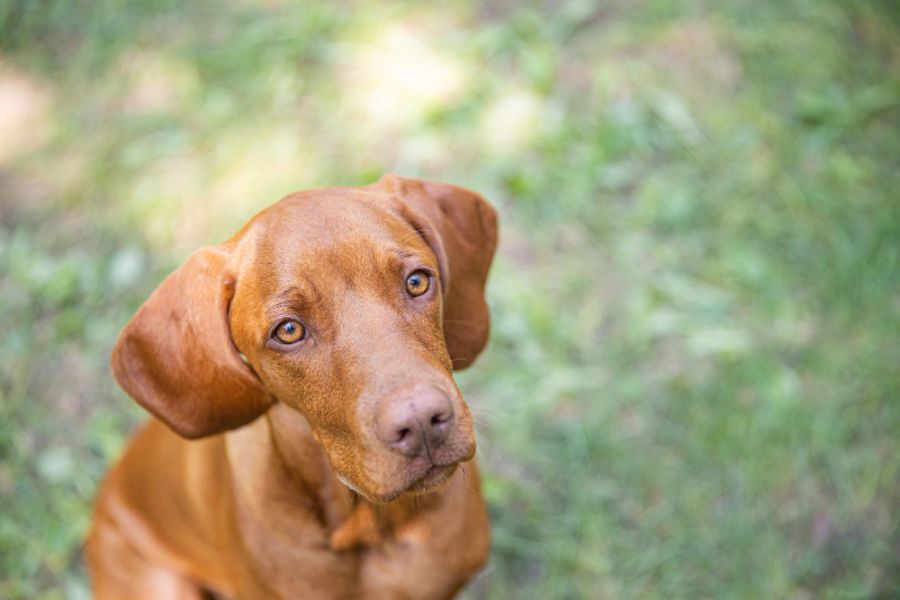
(692,385)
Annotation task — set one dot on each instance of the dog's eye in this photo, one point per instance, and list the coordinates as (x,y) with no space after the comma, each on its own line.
(290,331)
(417,283)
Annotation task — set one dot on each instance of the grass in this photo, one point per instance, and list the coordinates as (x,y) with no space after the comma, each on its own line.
(692,385)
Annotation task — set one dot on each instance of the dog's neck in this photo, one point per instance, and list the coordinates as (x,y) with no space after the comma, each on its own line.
(280,455)
(298,451)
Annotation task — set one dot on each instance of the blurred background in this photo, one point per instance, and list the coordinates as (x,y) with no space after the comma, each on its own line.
(692,387)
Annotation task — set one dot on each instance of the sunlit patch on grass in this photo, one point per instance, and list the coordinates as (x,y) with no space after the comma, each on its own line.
(391,79)
(424,151)
(155,82)
(199,198)
(511,120)
(163,192)
(252,169)
(26,119)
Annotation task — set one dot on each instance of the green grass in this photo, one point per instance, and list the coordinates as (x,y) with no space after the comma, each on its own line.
(692,388)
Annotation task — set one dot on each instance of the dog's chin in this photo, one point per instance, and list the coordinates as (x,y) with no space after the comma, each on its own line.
(433,479)
(387,482)
(430,480)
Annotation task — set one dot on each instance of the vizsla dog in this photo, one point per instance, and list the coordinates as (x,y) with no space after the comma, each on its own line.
(309,440)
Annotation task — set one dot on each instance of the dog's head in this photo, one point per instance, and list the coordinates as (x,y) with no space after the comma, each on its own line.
(350,305)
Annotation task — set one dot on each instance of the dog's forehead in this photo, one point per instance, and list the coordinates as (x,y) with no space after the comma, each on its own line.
(319,216)
(309,227)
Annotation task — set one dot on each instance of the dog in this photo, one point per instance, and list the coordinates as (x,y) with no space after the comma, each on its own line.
(309,440)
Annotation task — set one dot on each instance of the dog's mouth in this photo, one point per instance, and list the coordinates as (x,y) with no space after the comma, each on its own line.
(433,478)
(427,475)
(396,476)
(429,480)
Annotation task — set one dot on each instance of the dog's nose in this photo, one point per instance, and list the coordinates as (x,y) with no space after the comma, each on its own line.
(416,422)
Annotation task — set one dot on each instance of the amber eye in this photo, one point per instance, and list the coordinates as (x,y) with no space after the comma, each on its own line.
(290,331)
(417,283)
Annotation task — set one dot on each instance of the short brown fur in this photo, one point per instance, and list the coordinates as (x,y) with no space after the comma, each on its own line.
(267,472)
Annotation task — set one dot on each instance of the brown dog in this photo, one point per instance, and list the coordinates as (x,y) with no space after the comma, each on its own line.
(310,359)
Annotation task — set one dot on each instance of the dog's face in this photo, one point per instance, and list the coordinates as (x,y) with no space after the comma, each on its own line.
(351,306)
(338,310)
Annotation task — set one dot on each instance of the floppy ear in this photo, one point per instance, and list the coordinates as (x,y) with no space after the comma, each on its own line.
(461,228)
(176,357)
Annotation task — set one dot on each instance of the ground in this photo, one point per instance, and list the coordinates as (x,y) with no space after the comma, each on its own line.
(692,386)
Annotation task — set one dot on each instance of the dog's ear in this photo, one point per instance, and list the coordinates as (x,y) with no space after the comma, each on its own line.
(461,229)
(176,356)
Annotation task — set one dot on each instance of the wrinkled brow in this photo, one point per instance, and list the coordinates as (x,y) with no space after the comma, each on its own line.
(407,253)
(403,253)
(295,298)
